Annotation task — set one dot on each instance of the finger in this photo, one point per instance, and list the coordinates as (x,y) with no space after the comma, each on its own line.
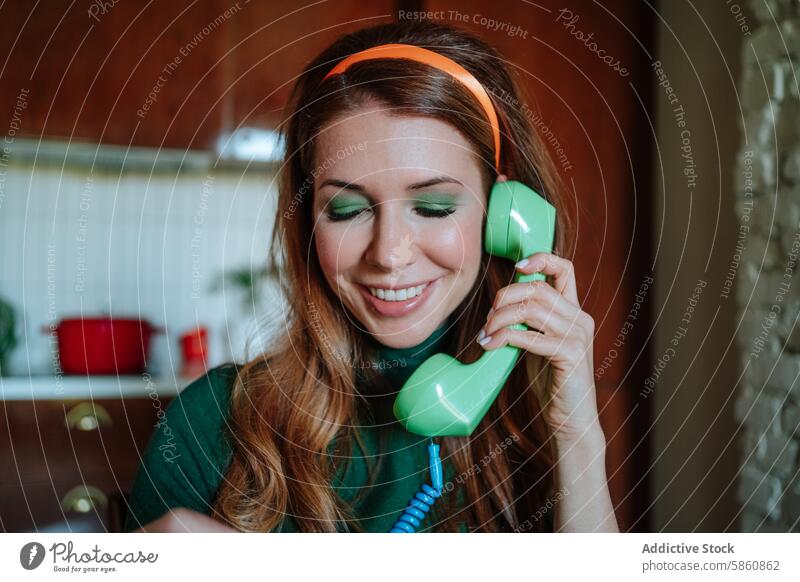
(530,341)
(551,303)
(562,271)
(541,291)
(530,313)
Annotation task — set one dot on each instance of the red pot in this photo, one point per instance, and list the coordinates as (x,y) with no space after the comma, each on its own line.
(194,345)
(103,345)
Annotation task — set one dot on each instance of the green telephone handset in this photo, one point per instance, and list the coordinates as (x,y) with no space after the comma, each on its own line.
(444,397)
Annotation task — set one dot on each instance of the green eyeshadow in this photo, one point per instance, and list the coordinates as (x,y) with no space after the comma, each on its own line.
(342,204)
(435,200)
(429,204)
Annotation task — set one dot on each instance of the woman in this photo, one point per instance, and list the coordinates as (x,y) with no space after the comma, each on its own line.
(379,228)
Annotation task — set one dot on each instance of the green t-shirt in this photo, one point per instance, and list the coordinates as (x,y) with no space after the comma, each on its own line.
(188,454)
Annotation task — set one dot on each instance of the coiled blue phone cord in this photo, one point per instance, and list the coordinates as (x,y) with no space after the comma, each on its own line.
(423,500)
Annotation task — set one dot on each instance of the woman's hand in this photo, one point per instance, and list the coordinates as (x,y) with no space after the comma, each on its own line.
(563,333)
(566,339)
(182,520)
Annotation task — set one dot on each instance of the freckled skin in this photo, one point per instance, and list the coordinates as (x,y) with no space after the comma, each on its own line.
(390,242)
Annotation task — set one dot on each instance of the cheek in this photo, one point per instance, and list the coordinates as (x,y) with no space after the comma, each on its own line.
(456,245)
(338,249)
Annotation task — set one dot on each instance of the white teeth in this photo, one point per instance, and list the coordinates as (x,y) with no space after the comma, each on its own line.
(397,294)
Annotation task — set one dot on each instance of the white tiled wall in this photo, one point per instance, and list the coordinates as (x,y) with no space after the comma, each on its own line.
(148,244)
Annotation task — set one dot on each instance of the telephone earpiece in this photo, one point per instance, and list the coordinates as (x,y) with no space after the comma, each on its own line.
(444,397)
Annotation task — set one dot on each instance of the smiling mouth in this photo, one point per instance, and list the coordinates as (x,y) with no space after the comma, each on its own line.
(403,294)
(387,302)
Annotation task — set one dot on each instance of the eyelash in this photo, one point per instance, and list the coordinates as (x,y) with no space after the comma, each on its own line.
(425,212)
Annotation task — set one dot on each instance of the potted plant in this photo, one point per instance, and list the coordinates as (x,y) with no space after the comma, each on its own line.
(242,329)
(8,338)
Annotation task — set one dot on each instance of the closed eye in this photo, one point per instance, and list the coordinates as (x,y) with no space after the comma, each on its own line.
(340,216)
(429,212)
(424,211)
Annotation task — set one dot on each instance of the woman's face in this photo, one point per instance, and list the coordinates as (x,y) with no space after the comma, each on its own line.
(398,206)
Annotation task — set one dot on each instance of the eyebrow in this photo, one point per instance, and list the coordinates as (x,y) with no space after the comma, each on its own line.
(416,186)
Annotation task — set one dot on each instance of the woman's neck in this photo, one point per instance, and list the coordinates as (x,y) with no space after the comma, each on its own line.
(396,365)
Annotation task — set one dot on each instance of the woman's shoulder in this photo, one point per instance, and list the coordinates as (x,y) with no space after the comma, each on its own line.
(199,412)
(209,393)
(198,416)
(187,453)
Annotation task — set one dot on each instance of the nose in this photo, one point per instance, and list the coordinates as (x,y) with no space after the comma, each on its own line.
(392,245)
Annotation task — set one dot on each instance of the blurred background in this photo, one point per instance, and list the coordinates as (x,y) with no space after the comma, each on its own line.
(137,194)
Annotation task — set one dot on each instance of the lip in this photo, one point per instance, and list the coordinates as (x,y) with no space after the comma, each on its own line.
(397,308)
(403,286)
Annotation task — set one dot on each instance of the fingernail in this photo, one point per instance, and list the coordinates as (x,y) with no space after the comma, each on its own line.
(485,340)
(522,263)
(481,335)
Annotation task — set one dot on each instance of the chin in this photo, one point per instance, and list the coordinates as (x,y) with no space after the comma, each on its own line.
(405,335)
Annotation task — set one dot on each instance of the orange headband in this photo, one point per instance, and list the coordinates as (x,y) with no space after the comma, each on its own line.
(437,61)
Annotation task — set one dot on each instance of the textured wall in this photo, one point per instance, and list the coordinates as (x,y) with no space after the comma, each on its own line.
(765,269)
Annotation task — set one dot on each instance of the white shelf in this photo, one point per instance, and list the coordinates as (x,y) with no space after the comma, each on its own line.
(76,153)
(90,387)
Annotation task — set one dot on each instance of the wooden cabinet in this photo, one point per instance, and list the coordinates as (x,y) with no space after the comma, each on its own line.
(162,73)
(64,460)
